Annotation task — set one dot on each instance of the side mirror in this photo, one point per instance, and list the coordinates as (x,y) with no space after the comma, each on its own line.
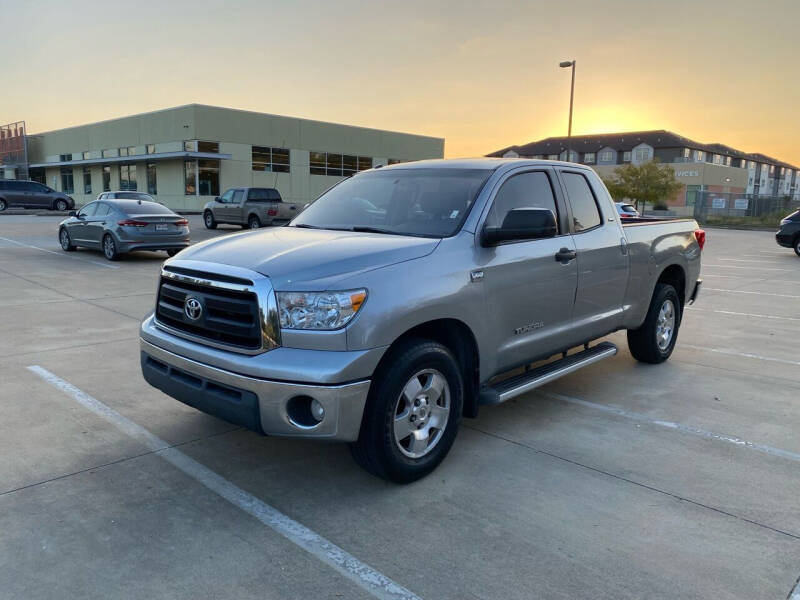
(522,224)
(72,213)
(217,199)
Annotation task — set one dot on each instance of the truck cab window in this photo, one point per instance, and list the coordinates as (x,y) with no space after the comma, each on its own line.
(527,190)
(585,214)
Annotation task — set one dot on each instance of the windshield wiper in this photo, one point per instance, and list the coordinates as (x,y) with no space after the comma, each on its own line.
(306,226)
(364,229)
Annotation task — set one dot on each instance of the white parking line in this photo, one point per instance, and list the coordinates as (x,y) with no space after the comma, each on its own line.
(335,557)
(742,314)
(795,593)
(762,262)
(61,254)
(697,431)
(784,361)
(751,268)
(708,289)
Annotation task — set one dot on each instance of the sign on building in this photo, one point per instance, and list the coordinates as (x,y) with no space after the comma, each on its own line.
(718,203)
(741,203)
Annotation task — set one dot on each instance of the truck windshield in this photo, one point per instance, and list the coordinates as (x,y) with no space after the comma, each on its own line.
(419,202)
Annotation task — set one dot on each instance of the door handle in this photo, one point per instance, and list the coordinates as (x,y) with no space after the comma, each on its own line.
(565,255)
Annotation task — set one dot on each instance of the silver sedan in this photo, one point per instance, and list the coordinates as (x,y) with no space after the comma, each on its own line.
(118,226)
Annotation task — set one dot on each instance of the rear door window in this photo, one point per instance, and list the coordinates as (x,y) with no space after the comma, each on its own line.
(526,190)
(259,195)
(585,213)
(102,210)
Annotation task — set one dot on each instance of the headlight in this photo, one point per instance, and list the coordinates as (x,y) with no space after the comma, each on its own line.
(319,310)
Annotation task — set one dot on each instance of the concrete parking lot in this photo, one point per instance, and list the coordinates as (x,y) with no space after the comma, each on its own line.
(623,480)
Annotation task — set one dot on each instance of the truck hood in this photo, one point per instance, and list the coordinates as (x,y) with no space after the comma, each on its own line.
(309,259)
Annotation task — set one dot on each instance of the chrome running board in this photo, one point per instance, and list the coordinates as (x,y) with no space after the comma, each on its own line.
(529,380)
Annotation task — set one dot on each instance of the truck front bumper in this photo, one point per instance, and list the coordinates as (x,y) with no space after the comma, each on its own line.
(267,406)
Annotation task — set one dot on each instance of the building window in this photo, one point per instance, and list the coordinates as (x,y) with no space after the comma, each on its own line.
(588,158)
(190,177)
(131,150)
(212,147)
(64,157)
(552,157)
(338,165)
(123,152)
(127,177)
(727,161)
(606,156)
(106,178)
(108,153)
(396,161)
(269,159)
(152,184)
(642,154)
(189,146)
(626,157)
(717,159)
(687,152)
(87,180)
(67,184)
(699,155)
(150,149)
(86,155)
(201,177)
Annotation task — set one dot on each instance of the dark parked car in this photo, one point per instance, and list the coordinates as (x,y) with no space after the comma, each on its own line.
(120,226)
(30,194)
(788,235)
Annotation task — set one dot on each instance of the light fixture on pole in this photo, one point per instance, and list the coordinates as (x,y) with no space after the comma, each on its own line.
(564,65)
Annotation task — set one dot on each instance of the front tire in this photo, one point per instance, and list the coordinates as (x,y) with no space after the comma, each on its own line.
(208,220)
(412,412)
(796,245)
(65,240)
(173,252)
(61,205)
(654,341)
(110,248)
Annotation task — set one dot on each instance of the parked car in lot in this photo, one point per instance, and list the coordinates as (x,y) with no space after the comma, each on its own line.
(626,211)
(126,195)
(407,296)
(249,207)
(120,226)
(16,193)
(788,235)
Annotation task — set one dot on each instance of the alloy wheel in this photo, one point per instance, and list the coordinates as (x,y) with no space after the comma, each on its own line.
(421,413)
(665,326)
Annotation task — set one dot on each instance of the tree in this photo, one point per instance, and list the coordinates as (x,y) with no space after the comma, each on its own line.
(648,182)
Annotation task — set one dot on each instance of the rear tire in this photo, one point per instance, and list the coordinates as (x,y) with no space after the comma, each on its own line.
(110,248)
(3,205)
(208,220)
(654,341)
(412,412)
(796,245)
(61,205)
(253,222)
(65,241)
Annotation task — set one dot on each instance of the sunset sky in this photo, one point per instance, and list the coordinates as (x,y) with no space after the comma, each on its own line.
(483,75)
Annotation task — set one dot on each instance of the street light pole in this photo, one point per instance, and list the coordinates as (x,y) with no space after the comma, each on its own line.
(569,64)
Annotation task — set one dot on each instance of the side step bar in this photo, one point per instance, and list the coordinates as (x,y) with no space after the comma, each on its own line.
(525,382)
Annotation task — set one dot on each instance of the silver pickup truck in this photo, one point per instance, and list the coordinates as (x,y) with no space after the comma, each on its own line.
(407,296)
(249,207)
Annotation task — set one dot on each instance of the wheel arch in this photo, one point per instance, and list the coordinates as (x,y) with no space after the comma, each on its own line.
(675,275)
(455,335)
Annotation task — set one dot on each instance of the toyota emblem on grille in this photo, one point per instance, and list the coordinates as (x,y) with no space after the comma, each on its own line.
(192,308)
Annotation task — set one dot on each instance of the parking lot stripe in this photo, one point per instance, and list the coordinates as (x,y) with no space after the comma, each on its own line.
(708,289)
(795,593)
(697,431)
(741,314)
(61,254)
(742,354)
(751,268)
(329,553)
(761,262)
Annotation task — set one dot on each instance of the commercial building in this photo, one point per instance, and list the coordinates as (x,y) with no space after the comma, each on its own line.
(187,155)
(703,169)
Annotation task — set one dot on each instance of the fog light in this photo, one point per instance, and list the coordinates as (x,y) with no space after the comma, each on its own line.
(317,411)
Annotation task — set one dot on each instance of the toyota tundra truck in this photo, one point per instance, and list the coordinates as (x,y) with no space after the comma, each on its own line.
(408,296)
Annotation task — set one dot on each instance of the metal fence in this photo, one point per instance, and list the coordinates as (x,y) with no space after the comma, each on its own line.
(732,208)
